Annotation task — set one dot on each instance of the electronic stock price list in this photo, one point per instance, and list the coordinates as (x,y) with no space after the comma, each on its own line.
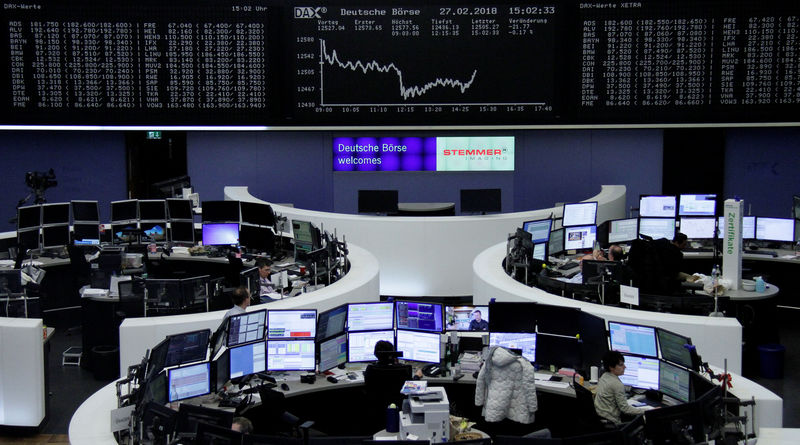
(423,63)
(175,62)
(690,61)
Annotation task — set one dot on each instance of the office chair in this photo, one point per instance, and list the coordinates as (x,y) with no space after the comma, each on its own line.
(131,299)
(273,419)
(382,384)
(586,419)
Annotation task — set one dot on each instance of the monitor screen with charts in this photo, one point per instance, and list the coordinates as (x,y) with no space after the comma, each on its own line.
(539,230)
(633,339)
(623,230)
(189,381)
(657,228)
(332,352)
(579,214)
(223,234)
(419,346)
(331,322)
(187,347)
(361,345)
(697,205)
(540,252)
(292,323)
(640,372)
(291,355)
(580,238)
(657,206)
(674,348)
(246,328)
(748,227)
(370,316)
(775,229)
(419,316)
(698,228)
(674,381)
(247,359)
(526,342)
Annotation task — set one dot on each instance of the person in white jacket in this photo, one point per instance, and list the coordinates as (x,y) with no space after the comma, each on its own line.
(506,387)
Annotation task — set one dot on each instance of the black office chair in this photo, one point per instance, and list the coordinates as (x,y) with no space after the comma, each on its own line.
(382,385)
(272,418)
(131,299)
(586,419)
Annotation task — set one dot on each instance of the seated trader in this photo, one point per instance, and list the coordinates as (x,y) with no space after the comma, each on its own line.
(615,253)
(506,387)
(609,400)
(241,299)
(672,256)
(478,324)
(264,271)
(242,425)
(384,378)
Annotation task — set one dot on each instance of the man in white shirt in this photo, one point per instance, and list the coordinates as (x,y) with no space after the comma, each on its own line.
(264,282)
(241,299)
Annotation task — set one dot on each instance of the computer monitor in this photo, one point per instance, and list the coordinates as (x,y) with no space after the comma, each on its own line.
(256,238)
(57,213)
(123,211)
(55,236)
(292,323)
(633,339)
(748,227)
(370,316)
(775,229)
(675,348)
(247,359)
(152,210)
(29,238)
(257,213)
(698,228)
(481,200)
(593,340)
(181,232)
(697,205)
(623,230)
(158,358)
(125,232)
(246,328)
(459,318)
(187,347)
(540,252)
(291,355)
(179,209)
(191,416)
(331,322)
(251,280)
(361,345)
(190,381)
(674,381)
(29,217)
(524,341)
(85,211)
(165,425)
(333,352)
(164,293)
(657,228)
(377,201)
(195,290)
(579,214)
(558,351)
(640,372)
(220,211)
(10,282)
(216,435)
(156,231)
(220,234)
(559,320)
(419,346)
(580,237)
(539,229)
(221,369)
(419,316)
(86,234)
(155,389)
(674,424)
(593,271)
(512,317)
(306,236)
(655,206)
(556,244)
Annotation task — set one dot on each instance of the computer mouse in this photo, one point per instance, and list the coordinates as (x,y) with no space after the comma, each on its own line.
(332,379)
(284,386)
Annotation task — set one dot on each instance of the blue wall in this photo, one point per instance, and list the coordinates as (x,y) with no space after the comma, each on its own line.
(761,166)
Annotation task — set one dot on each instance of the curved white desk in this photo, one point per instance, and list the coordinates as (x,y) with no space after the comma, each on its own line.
(716,339)
(360,284)
(430,256)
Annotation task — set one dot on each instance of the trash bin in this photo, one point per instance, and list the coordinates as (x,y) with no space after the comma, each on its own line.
(105,362)
(771,357)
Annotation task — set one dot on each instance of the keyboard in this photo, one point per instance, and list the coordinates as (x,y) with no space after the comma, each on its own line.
(771,253)
(568,265)
(698,249)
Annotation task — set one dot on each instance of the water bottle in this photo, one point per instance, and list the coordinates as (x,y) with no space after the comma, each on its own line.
(761,286)
(392,419)
(714,279)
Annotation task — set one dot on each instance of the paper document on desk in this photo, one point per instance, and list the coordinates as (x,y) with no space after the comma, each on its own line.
(414,387)
(552,384)
(542,376)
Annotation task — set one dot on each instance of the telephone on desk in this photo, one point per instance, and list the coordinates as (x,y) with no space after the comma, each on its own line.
(432,370)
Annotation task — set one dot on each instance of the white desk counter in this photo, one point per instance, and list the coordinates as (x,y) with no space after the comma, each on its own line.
(430,256)
(22,377)
(91,423)
(360,284)
(716,339)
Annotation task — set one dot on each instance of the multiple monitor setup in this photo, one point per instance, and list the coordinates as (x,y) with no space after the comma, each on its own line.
(235,223)
(48,226)
(152,220)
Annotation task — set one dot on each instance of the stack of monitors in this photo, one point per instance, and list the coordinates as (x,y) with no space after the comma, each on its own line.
(55,225)
(368,323)
(540,236)
(246,328)
(623,231)
(221,211)
(332,338)
(460,318)
(419,327)
(181,223)
(124,219)
(306,236)
(290,340)
(748,227)
(153,219)
(220,234)
(770,229)
(29,222)
(580,225)
(657,216)
(189,381)
(257,222)
(697,214)
(85,223)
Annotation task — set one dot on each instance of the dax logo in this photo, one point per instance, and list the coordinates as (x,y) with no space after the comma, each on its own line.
(309,12)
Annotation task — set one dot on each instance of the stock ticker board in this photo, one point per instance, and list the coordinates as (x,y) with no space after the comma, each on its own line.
(367,63)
